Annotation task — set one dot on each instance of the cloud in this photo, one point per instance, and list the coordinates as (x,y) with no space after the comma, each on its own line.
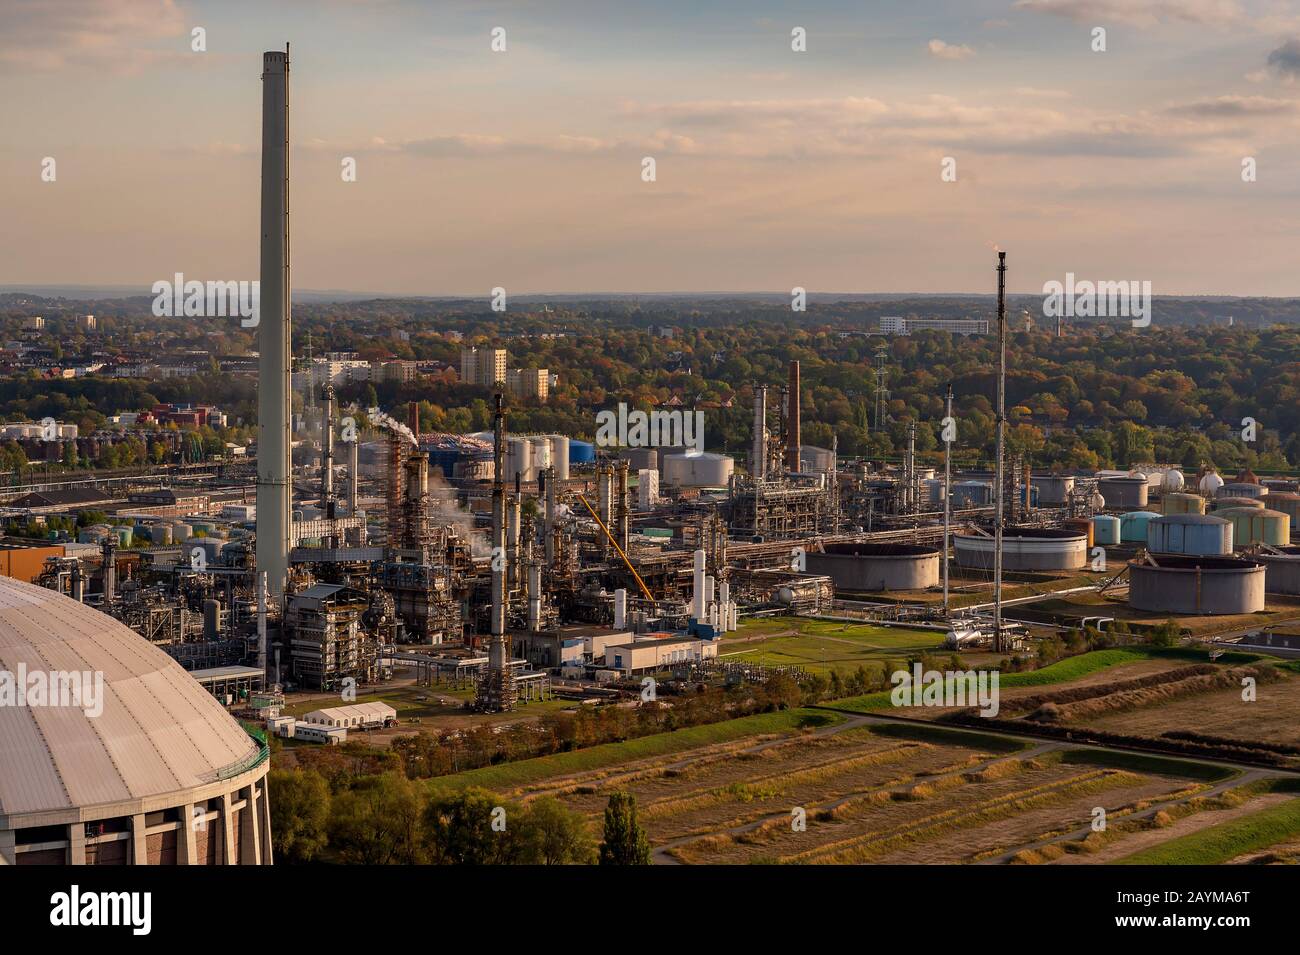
(1140,13)
(948,51)
(1230,107)
(114,35)
(1285,60)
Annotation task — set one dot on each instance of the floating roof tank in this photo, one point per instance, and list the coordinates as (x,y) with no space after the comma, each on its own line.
(876,567)
(1025,548)
(1240,489)
(1197,585)
(1176,502)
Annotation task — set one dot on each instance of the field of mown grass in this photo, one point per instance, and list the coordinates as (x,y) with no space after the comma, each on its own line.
(507,776)
(1219,844)
(820,646)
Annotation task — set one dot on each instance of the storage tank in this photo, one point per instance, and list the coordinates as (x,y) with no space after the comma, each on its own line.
(1197,585)
(1053,489)
(1025,548)
(697,470)
(1210,483)
(1240,489)
(1285,501)
(181,531)
(581,452)
(161,534)
(1133,526)
(1194,534)
(1226,503)
(1282,570)
(934,490)
(1252,525)
(875,567)
(560,455)
(541,453)
(519,460)
(1178,503)
(812,459)
(641,459)
(1122,492)
(1084,526)
(1173,482)
(1105,529)
(971,494)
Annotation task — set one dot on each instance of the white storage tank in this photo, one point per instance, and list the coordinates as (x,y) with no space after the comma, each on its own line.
(697,470)
(560,456)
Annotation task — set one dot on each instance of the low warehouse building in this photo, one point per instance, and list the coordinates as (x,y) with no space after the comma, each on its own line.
(874,567)
(354,716)
(644,656)
(1196,585)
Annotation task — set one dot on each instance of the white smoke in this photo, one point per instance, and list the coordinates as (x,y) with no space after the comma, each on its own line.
(377,417)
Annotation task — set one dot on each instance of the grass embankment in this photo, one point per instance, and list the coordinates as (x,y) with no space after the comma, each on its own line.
(1063,671)
(507,776)
(1150,765)
(1218,844)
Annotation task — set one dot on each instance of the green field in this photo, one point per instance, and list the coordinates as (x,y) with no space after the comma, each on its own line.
(507,776)
(1218,844)
(820,646)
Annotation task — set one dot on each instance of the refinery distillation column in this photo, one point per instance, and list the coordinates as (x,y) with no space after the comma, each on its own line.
(273,333)
(1001,442)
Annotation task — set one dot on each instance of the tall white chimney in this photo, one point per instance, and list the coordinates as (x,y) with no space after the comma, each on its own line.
(620,609)
(274,331)
(697,592)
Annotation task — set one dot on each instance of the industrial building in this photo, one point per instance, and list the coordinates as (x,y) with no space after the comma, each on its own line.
(153,771)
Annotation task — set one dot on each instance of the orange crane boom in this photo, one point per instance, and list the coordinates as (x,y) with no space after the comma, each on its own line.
(645,591)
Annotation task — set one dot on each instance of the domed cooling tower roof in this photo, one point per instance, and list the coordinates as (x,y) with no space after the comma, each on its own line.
(159,731)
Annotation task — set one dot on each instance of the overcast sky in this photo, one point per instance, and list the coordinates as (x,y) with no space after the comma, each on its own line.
(774,168)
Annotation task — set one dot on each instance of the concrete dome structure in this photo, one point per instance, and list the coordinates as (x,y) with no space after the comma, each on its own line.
(146,767)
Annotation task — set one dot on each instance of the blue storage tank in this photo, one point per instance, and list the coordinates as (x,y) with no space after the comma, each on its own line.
(1194,534)
(1133,525)
(581,452)
(1105,529)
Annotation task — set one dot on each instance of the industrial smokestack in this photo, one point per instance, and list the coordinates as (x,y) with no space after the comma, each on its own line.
(758,456)
(327,452)
(354,475)
(620,609)
(549,531)
(413,418)
(497,651)
(261,623)
(792,448)
(274,499)
(109,569)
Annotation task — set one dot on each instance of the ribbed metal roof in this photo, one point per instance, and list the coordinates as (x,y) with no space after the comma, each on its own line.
(1190,519)
(159,730)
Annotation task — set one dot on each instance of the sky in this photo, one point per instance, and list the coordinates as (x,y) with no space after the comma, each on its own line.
(773,168)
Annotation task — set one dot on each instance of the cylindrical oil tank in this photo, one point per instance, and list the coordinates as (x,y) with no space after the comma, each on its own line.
(697,470)
(873,567)
(1133,526)
(1124,491)
(1105,529)
(1240,489)
(1195,534)
(1053,489)
(1252,525)
(181,531)
(541,453)
(1025,548)
(581,452)
(559,455)
(1178,503)
(1197,585)
(1083,526)
(971,493)
(162,534)
(1282,571)
(934,490)
(642,459)
(812,458)
(1287,502)
(1226,503)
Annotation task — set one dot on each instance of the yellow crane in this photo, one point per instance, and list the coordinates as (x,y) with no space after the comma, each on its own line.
(645,591)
